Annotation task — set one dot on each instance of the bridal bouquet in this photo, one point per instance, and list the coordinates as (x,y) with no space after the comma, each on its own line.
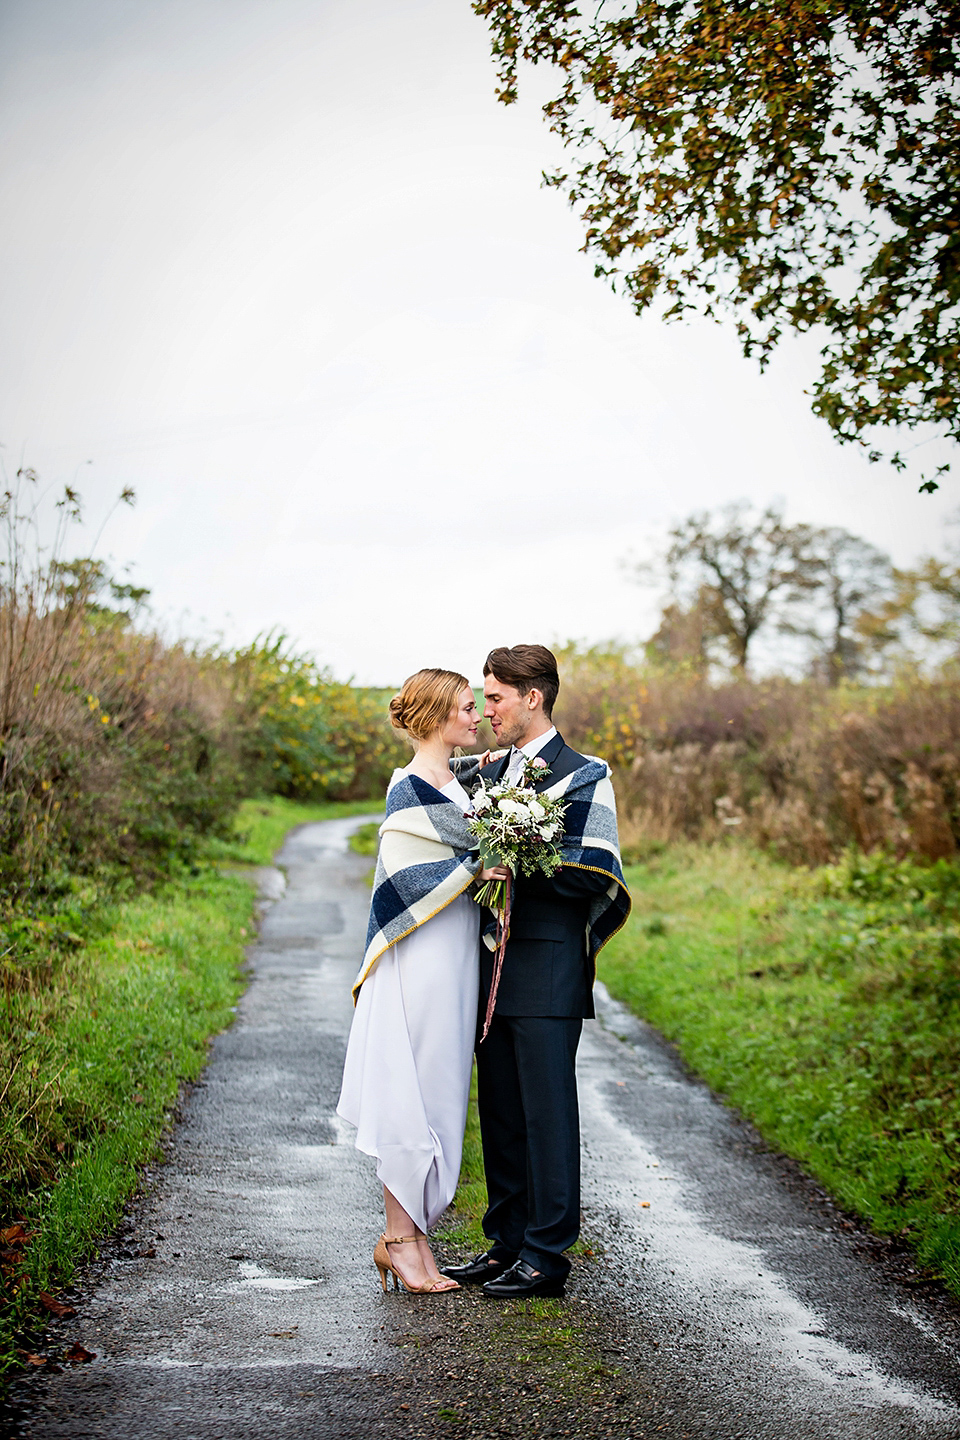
(517,828)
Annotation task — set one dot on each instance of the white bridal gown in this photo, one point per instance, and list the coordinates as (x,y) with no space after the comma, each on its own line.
(406,1078)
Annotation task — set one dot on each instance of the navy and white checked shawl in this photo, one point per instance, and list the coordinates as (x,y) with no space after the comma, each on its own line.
(427,858)
(590,842)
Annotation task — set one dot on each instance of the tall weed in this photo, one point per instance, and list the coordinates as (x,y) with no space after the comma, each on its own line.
(795,766)
(116,749)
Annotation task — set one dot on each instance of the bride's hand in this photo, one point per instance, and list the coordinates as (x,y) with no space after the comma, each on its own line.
(495,872)
(490,755)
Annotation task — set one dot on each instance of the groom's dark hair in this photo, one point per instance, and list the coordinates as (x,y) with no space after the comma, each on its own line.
(526,668)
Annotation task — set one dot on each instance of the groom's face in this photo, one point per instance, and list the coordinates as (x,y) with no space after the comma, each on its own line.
(510,713)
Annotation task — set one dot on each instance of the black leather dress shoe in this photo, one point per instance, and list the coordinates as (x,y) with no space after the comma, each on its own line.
(520,1281)
(484,1267)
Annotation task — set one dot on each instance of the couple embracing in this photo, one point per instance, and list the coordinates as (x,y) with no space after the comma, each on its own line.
(423,990)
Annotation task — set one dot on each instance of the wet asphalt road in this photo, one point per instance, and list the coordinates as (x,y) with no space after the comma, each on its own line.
(729,1285)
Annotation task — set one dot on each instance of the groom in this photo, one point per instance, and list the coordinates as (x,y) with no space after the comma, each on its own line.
(527,1088)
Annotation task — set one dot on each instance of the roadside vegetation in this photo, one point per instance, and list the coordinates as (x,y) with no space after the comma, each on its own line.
(825,1005)
(793,843)
(108,1013)
(94,1049)
(124,762)
(792,850)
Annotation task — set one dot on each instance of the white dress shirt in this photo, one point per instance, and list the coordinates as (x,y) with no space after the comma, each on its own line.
(526,752)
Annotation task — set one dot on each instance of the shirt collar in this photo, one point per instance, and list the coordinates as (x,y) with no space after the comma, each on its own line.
(533,747)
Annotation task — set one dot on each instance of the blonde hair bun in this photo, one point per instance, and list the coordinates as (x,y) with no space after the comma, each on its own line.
(425,701)
(396,712)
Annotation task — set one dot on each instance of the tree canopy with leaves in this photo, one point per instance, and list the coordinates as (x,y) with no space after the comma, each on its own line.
(794,162)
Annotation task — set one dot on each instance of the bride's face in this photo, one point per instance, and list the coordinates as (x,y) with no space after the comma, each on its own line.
(462,723)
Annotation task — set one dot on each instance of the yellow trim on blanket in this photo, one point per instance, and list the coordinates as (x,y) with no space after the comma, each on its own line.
(355,988)
(596,870)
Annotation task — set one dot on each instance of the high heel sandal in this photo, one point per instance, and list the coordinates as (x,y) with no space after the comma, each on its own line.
(381,1258)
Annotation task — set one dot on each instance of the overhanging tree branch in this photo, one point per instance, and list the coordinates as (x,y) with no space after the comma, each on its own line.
(795,163)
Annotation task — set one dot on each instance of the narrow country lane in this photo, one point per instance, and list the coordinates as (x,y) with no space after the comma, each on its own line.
(726,1298)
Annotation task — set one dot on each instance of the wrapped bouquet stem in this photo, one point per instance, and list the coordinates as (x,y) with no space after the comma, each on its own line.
(520,830)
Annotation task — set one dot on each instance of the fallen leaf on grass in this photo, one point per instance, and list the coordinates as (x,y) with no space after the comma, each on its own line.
(34,1360)
(77,1355)
(56,1307)
(16,1235)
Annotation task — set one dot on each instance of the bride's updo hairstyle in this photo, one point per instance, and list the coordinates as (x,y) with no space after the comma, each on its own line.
(424,703)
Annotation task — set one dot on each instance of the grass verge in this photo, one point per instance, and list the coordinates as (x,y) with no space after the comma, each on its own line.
(826,1006)
(262,824)
(461,1226)
(365,839)
(105,1010)
(93,1052)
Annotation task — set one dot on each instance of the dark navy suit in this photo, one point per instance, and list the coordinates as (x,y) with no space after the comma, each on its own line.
(526,1067)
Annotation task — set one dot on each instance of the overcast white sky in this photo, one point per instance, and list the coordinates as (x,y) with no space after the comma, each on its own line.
(286,267)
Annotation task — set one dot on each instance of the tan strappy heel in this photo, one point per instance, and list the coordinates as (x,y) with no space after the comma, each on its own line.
(381,1258)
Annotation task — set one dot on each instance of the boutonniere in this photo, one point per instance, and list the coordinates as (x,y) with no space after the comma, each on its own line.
(533,771)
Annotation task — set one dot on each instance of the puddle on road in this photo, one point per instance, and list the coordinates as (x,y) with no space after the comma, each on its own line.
(777,1331)
(928,1331)
(254,1277)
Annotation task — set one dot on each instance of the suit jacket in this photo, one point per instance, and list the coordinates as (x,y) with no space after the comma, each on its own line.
(546,969)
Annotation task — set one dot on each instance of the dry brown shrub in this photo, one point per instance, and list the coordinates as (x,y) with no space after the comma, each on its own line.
(115,747)
(794,766)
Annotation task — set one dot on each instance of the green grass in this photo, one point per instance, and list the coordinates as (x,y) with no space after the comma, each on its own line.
(93,1052)
(365,838)
(106,1008)
(461,1225)
(826,1006)
(262,824)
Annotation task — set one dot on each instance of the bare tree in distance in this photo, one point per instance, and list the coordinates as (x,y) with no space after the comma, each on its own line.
(917,621)
(687,633)
(853,576)
(744,568)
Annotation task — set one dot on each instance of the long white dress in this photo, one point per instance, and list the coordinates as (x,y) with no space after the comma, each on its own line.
(406,1077)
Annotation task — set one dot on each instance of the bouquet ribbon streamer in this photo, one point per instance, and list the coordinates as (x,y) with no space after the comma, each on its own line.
(503,931)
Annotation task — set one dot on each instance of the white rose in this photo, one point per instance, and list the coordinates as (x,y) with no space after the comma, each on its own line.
(481,801)
(510,807)
(547,832)
(536,809)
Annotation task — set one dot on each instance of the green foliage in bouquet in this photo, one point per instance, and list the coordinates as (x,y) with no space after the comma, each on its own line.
(518,828)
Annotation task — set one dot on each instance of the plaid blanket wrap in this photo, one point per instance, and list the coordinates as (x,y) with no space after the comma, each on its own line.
(427,858)
(590,842)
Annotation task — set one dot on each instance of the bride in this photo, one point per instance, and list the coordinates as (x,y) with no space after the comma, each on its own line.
(406,1078)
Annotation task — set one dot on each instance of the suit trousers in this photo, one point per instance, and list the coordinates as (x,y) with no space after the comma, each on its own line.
(530,1128)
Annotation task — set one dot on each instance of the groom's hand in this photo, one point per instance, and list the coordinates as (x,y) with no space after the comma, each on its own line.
(495,872)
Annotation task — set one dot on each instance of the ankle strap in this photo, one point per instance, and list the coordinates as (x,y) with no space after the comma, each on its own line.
(398,1239)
